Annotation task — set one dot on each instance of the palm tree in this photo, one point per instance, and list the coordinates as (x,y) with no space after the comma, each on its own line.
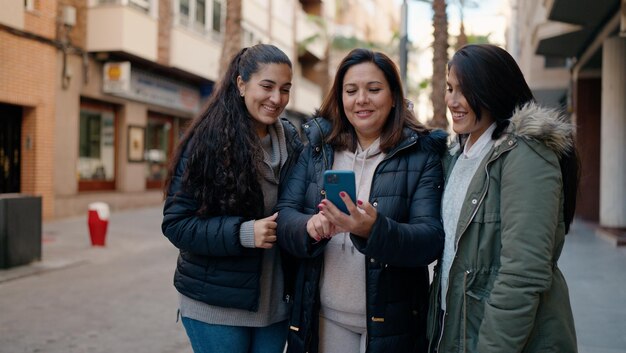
(440,61)
(462,39)
(232,33)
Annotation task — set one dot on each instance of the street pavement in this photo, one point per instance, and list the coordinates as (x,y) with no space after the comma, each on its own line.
(119,298)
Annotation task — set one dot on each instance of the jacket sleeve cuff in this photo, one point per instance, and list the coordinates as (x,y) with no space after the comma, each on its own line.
(246,234)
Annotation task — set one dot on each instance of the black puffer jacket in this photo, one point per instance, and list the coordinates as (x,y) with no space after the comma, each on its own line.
(213,266)
(406,237)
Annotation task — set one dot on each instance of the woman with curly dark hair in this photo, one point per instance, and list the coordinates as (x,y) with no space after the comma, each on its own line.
(220,194)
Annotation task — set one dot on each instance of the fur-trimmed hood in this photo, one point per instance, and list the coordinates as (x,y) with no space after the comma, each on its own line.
(550,126)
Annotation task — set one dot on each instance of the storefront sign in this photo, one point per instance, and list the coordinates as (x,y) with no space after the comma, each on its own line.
(122,80)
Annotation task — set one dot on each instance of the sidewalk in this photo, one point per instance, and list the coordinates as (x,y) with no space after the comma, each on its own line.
(66,242)
(594,269)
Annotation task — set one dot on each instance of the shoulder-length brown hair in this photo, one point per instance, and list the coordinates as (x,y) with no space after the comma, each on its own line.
(343,135)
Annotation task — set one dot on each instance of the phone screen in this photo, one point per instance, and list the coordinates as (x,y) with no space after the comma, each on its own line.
(336,181)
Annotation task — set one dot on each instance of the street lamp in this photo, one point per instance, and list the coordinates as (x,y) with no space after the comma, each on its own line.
(403,44)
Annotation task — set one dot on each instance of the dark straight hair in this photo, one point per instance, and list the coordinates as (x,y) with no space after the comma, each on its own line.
(224,151)
(343,135)
(490,79)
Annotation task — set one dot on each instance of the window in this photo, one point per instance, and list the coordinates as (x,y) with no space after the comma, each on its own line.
(159,135)
(217,16)
(96,148)
(143,5)
(195,13)
(201,12)
(31,5)
(184,7)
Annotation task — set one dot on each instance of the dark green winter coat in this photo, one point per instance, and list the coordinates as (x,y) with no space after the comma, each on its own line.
(506,292)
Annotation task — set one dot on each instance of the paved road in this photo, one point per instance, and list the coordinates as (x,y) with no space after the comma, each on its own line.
(120,298)
(98,300)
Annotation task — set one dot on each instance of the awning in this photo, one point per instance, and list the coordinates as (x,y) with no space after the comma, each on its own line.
(591,15)
(552,98)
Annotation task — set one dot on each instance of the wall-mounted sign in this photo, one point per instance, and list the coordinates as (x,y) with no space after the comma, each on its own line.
(120,79)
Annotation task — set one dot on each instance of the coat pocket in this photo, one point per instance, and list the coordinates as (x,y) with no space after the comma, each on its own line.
(477,288)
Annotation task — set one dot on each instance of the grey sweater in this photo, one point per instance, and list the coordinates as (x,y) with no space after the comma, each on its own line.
(272,309)
(454,196)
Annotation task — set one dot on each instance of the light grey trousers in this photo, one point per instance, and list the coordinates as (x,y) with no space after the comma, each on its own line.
(339,338)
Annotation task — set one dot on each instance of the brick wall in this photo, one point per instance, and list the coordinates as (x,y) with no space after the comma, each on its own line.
(78,33)
(42,20)
(28,78)
(165,29)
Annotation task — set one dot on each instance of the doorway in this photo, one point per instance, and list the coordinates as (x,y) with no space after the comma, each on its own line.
(10,147)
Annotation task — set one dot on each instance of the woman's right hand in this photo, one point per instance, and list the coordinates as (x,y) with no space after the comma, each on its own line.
(319,227)
(265,232)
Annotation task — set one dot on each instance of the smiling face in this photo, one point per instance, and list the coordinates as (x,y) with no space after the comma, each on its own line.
(464,119)
(367,101)
(266,94)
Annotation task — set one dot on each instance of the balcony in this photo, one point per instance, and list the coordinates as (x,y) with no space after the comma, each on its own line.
(195,53)
(591,17)
(12,14)
(255,16)
(121,28)
(310,35)
(307,96)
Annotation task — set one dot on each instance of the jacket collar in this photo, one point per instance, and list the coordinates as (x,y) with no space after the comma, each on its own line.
(535,123)
(294,143)
(317,129)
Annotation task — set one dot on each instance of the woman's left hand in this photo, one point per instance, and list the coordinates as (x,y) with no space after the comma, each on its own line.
(360,220)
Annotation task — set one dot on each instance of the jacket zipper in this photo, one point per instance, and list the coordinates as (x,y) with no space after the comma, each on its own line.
(456,246)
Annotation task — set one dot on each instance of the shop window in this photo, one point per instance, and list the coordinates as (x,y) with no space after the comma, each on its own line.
(96,154)
(159,141)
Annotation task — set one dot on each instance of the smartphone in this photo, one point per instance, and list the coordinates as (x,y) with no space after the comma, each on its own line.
(336,181)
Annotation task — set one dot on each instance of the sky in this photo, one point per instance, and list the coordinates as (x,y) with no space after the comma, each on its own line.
(489,17)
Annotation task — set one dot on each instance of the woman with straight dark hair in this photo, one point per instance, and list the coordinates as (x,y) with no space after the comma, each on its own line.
(363,280)
(509,200)
(221,190)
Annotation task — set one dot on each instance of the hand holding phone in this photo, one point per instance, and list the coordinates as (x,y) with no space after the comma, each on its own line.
(336,181)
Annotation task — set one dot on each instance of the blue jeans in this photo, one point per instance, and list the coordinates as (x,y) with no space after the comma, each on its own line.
(209,338)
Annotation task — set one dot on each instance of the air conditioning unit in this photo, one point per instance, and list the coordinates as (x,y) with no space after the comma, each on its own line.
(69,16)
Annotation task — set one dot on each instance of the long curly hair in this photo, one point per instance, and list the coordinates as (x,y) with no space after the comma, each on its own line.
(224,149)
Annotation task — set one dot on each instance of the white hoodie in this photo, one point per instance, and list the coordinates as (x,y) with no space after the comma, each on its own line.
(342,285)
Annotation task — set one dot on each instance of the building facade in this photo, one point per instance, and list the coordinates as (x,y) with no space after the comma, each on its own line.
(574,56)
(94,94)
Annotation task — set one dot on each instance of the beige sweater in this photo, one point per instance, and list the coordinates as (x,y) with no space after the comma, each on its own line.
(342,286)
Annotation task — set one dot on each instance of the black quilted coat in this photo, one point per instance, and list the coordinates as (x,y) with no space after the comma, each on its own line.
(213,266)
(406,237)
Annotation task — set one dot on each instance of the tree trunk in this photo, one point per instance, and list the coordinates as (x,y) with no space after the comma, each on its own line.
(440,62)
(232,34)
(462,38)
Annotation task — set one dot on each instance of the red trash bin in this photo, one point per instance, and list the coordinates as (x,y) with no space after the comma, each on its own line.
(98,220)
